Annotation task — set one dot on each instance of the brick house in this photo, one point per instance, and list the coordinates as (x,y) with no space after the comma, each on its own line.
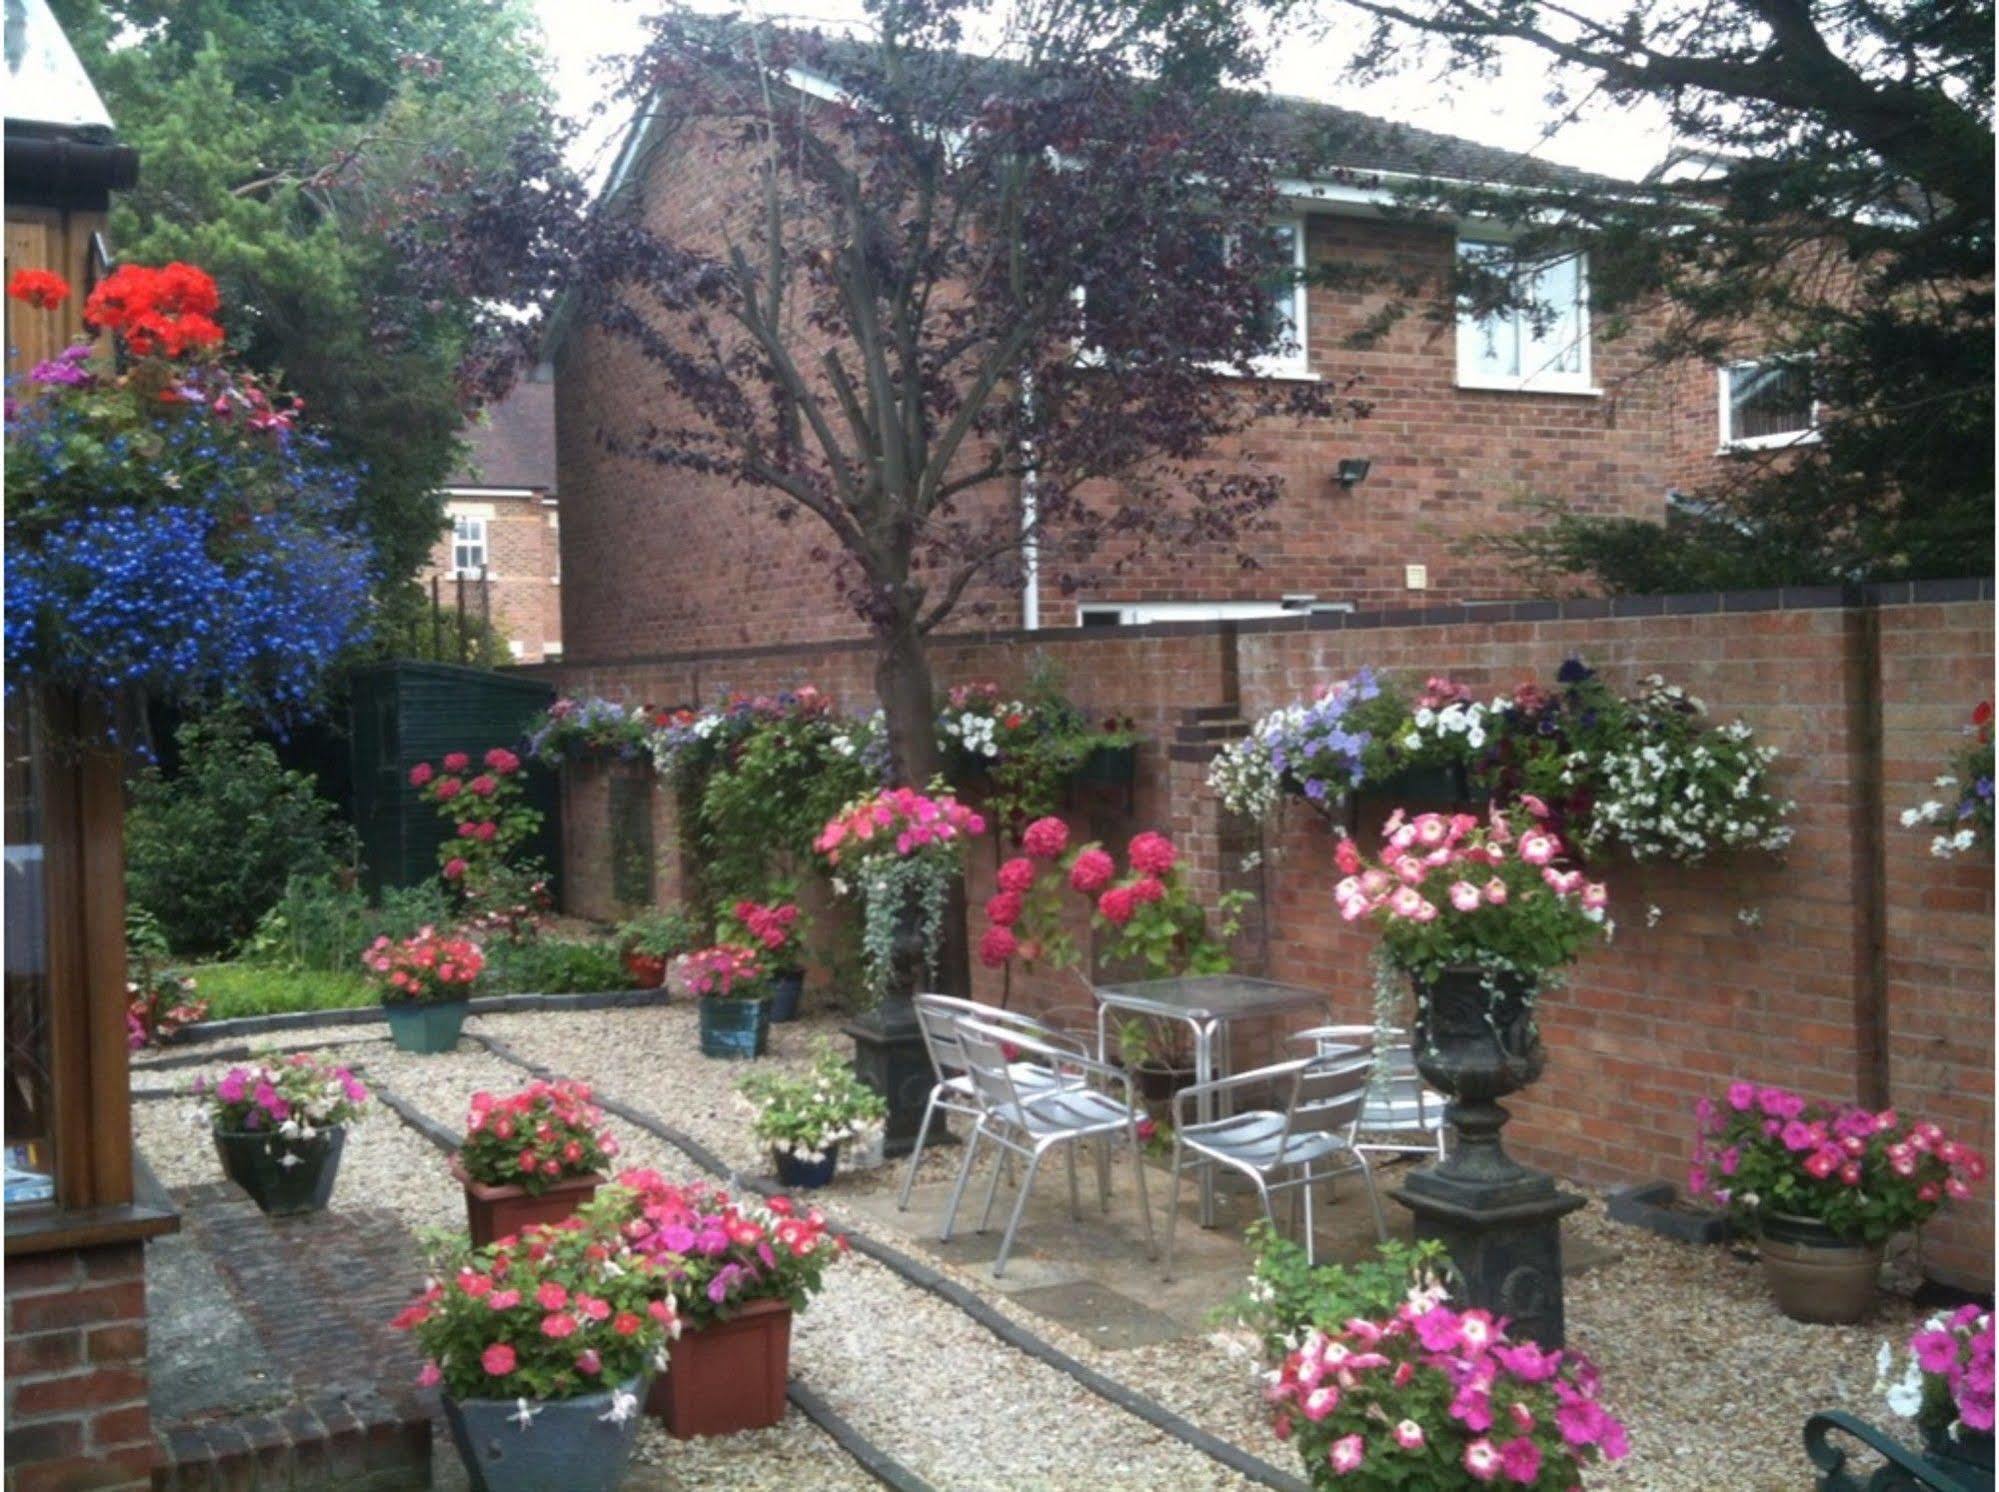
(1465,421)
(501,549)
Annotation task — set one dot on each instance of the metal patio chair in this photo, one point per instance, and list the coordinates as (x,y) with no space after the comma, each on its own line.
(937,1017)
(1022,1122)
(1312,1135)
(1399,1102)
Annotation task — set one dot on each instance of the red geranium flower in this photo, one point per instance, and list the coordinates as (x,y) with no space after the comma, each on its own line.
(40,288)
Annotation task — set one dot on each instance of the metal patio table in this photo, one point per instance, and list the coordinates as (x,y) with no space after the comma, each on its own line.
(1205,1003)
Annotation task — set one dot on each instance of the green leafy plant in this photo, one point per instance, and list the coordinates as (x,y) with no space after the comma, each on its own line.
(210,849)
(658,932)
(1286,1295)
(1026,749)
(807,1114)
(324,923)
(554,966)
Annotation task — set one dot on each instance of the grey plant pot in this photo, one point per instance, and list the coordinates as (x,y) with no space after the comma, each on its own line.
(566,1446)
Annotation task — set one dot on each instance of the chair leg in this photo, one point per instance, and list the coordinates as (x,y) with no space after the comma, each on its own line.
(1075,1197)
(1002,1165)
(1172,1207)
(1144,1201)
(1019,1207)
(915,1155)
(1311,1230)
(1374,1201)
(1104,1172)
(964,1174)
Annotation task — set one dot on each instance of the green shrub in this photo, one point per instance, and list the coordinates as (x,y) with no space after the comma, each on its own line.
(1286,1295)
(236,988)
(324,922)
(211,849)
(552,966)
(659,933)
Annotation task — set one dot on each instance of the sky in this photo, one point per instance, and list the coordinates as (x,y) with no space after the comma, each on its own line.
(1505,111)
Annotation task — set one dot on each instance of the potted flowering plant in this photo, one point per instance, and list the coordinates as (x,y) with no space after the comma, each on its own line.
(901,850)
(280,1126)
(1430,1397)
(542,1345)
(1824,1187)
(1946,1387)
(535,1156)
(425,984)
(159,1005)
(805,1118)
(573,729)
(1320,750)
(1026,750)
(651,940)
(779,930)
(735,1012)
(1965,821)
(739,1272)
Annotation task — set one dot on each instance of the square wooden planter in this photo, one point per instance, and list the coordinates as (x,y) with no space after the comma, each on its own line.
(493,1212)
(728,1376)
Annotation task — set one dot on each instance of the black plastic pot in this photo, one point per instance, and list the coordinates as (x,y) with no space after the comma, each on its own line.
(787,989)
(544,1445)
(282,1176)
(1113,764)
(806,1175)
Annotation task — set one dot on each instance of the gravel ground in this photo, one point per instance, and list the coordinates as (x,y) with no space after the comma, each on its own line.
(1713,1383)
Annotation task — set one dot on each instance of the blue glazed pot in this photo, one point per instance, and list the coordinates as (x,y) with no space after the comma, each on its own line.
(565,1445)
(786,990)
(805,1175)
(426,1028)
(735,1030)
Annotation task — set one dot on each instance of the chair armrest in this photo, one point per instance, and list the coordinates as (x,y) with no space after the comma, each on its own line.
(1195,1092)
(1062,1060)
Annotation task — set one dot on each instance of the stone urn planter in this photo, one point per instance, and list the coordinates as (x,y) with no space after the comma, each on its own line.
(426,1027)
(728,1375)
(1967,1451)
(576,1445)
(495,1212)
(733,1029)
(282,1176)
(1815,1275)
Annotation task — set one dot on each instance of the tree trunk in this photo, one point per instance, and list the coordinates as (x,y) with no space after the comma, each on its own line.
(902,682)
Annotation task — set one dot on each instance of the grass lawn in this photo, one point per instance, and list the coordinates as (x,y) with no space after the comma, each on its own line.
(233,989)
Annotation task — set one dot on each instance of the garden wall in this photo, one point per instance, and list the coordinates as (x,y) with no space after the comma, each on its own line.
(1861,968)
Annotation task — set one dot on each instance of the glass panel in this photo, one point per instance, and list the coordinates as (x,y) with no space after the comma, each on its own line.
(1768,399)
(468,547)
(1488,346)
(30,1118)
(1541,338)
(1553,325)
(1280,313)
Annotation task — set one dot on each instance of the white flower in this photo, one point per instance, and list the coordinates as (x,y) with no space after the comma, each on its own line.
(524,1413)
(623,1406)
(288,1160)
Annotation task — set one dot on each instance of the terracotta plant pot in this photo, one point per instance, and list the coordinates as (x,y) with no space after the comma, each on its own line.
(426,1028)
(647,971)
(726,1376)
(255,1161)
(494,1212)
(572,1444)
(1816,1275)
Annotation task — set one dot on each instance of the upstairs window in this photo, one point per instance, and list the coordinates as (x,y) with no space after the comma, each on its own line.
(468,545)
(1767,403)
(1541,344)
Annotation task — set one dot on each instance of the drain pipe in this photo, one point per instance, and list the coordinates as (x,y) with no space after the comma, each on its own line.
(1030,513)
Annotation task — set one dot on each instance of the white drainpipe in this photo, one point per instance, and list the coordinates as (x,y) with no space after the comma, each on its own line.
(1030,509)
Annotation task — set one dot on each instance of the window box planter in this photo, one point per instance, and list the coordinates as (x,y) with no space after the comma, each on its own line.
(734,1030)
(1112,764)
(1817,1276)
(1443,785)
(426,1027)
(804,1175)
(787,990)
(256,1161)
(494,1212)
(569,1443)
(728,1375)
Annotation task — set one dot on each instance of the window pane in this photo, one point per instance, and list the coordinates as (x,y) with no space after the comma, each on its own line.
(1553,322)
(1488,346)
(1768,399)
(1280,316)
(30,1129)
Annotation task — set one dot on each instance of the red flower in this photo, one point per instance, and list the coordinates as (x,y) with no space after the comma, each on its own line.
(453,869)
(997,947)
(1004,910)
(1153,854)
(168,311)
(1347,858)
(40,288)
(447,788)
(456,761)
(503,761)
(421,773)
(485,831)
(1017,875)
(1045,838)
(1148,889)
(1092,871)
(1117,905)
(485,785)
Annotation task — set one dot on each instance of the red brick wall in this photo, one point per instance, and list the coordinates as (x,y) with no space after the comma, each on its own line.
(523,572)
(1667,1012)
(76,1371)
(663,560)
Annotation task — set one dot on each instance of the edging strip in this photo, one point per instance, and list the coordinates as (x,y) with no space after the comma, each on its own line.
(367,1015)
(923,1277)
(876,1462)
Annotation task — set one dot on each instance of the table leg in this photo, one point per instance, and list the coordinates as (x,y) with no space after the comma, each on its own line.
(1204,1072)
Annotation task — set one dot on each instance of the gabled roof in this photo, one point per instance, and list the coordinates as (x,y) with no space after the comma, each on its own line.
(513,441)
(48,92)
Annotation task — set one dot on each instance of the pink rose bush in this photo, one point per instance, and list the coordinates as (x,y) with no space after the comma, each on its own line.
(425,969)
(486,815)
(724,971)
(1450,890)
(718,1254)
(557,1312)
(1431,1397)
(1146,914)
(774,927)
(544,1134)
(1946,1386)
(1867,1176)
(292,1097)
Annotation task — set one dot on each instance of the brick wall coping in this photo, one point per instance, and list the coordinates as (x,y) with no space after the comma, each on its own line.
(1453,614)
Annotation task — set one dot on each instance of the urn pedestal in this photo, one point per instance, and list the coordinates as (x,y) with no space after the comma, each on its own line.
(1500,1220)
(889,1055)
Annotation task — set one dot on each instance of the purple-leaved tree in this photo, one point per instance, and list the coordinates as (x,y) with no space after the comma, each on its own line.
(965,303)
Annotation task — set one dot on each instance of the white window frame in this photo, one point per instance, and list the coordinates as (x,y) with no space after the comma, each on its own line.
(1581,382)
(1139,613)
(484,544)
(1725,417)
(1296,364)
